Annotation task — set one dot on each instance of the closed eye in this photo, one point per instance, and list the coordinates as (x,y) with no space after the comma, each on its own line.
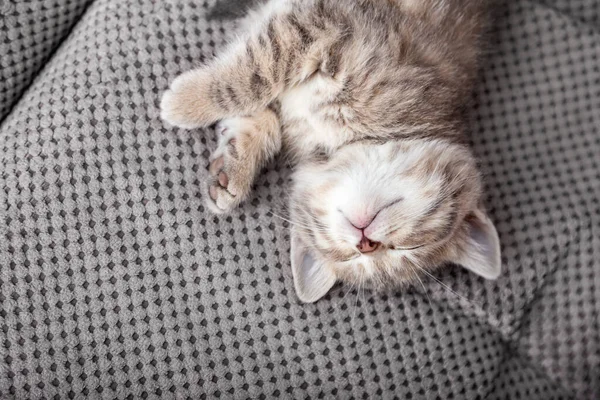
(354,257)
(390,204)
(406,248)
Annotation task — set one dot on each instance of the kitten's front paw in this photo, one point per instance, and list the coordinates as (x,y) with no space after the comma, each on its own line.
(231,172)
(170,110)
(187,104)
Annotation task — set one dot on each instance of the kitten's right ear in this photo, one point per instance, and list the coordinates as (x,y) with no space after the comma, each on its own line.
(312,278)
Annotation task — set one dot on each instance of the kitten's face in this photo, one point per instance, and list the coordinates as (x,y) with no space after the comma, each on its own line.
(376,214)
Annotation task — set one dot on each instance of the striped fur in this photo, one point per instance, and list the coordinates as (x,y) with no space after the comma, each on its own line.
(369,98)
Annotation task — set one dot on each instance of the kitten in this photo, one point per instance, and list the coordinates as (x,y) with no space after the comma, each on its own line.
(369,96)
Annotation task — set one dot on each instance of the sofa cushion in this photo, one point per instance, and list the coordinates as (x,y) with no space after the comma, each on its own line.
(30,32)
(116,281)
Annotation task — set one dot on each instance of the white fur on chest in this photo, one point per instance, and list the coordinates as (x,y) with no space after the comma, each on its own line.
(302,113)
(302,106)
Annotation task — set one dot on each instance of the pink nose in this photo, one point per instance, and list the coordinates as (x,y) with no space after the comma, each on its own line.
(367,246)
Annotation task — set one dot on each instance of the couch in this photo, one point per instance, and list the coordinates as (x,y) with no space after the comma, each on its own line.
(117,283)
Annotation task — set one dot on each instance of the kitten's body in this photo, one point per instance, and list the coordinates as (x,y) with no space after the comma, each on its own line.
(378,89)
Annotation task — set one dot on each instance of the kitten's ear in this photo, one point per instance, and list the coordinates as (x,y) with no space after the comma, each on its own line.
(481,252)
(312,278)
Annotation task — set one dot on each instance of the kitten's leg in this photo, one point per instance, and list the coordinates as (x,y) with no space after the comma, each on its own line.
(238,82)
(246,144)
(279,53)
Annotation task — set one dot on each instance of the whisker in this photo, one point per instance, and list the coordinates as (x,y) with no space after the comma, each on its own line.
(415,273)
(360,279)
(298,224)
(364,295)
(295,223)
(267,221)
(445,286)
(348,291)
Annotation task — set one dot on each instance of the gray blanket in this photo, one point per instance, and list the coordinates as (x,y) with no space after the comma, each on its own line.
(117,283)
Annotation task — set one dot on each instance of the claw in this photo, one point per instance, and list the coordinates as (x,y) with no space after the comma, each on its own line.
(212,191)
(223,179)
(216,165)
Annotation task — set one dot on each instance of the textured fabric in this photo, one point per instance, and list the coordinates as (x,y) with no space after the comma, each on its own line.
(116,283)
(30,30)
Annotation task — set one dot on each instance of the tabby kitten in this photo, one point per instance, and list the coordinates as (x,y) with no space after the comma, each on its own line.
(369,96)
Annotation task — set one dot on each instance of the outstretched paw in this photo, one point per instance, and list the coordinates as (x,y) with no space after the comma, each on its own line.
(231,171)
(188,102)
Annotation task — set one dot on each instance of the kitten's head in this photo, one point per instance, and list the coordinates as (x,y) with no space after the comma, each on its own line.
(379,214)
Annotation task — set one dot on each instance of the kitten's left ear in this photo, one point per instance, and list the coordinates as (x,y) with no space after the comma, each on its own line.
(312,278)
(481,251)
